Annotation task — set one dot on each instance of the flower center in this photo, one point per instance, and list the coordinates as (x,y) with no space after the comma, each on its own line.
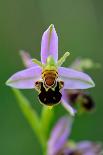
(49,77)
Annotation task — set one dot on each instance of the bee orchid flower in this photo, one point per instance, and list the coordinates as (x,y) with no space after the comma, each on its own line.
(58,143)
(47,76)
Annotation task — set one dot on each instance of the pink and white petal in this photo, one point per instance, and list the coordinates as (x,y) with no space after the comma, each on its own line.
(25,79)
(59,135)
(49,44)
(75,79)
(66,103)
(84,148)
(27,60)
(89,148)
(84,145)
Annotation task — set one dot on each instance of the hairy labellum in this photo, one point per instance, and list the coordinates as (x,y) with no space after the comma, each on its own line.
(88,103)
(50,96)
(82,98)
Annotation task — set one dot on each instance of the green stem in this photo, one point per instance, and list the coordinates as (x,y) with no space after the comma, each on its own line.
(47,116)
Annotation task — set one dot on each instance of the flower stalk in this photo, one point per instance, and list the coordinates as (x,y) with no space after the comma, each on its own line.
(47,115)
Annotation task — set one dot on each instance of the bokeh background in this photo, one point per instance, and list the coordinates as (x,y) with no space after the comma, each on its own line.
(79,25)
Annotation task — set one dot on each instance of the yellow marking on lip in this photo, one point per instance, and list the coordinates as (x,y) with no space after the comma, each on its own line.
(50,107)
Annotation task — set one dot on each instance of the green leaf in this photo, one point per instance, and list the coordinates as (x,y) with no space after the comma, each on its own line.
(30,114)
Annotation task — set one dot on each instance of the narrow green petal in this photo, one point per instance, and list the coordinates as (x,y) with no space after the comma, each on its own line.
(62,59)
(37,62)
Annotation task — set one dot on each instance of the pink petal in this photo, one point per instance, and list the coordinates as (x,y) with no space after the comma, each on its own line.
(25,79)
(74,79)
(84,148)
(59,135)
(66,103)
(90,148)
(49,44)
(27,60)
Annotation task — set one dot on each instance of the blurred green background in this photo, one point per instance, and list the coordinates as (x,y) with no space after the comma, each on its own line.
(79,25)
